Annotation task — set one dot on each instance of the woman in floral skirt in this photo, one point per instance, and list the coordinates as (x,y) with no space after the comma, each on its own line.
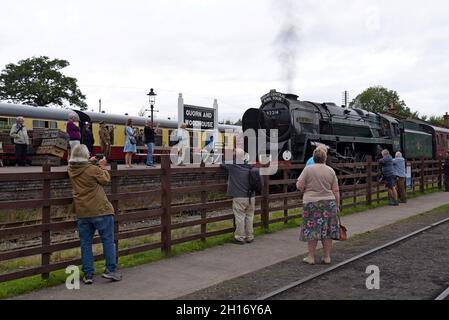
(321,200)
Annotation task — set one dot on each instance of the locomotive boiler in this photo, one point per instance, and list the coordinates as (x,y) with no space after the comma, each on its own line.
(350,134)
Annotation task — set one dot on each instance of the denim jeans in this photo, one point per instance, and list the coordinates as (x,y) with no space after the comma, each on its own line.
(86,230)
(150,147)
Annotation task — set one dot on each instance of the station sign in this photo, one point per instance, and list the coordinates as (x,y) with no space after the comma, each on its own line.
(196,117)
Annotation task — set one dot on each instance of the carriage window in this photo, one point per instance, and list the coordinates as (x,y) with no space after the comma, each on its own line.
(45,124)
(40,124)
(158,140)
(5,123)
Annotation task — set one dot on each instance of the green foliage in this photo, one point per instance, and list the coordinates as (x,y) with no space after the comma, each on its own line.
(238,123)
(379,99)
(436,121)
(38,81)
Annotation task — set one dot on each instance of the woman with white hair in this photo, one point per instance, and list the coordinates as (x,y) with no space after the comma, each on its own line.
(21,140)
(321,204)
(93,211)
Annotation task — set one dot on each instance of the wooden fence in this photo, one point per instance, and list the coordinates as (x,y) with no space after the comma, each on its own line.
(278,197)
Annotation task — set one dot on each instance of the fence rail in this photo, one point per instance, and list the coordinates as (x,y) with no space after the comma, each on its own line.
(278,196)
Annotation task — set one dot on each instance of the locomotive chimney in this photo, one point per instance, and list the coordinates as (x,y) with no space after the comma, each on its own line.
(446,120)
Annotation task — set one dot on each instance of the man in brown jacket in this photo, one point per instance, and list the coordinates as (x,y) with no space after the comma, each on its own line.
(105,139)
(93,211)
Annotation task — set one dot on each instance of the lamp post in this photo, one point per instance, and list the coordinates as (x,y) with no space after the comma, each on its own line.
(152,99)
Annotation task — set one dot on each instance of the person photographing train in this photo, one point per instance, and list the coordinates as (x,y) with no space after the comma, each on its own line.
(93,210)
(389,177)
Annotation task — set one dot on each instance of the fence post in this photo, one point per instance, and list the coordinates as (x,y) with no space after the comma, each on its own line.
(440,174)
(285,177)
(166,204)
(46,217)
(422,186)
(265,202)
(203,201)
(115,204)
(369,180)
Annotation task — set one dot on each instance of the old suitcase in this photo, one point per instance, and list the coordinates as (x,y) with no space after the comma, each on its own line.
(53,151)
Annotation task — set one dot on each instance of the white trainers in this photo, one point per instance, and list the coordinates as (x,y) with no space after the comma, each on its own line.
(309,260)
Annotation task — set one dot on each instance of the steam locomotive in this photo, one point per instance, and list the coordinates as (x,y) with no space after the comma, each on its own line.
(350,134)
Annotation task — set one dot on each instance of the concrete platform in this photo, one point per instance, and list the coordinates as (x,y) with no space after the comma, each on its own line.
(140,166)
(178,276)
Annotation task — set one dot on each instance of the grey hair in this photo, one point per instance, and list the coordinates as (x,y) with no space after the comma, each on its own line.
(73,116)
(320,155)
(80,154)
(20,118)
(385,152)
(398,154)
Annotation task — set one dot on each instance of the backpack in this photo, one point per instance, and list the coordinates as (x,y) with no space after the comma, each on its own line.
(255,181)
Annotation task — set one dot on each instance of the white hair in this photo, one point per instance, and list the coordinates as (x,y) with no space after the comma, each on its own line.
(385,152)
(80,153)
(73,116)
(20,118)
(398,154)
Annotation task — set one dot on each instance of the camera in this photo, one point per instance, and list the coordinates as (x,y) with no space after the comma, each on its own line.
(99,156)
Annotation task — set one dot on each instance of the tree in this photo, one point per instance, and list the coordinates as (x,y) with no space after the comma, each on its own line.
(238,123)
(436,121)
(380,99)
(38,81)
(228,122)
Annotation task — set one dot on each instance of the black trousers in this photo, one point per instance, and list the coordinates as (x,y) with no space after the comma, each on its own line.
(446,182)
(21,154)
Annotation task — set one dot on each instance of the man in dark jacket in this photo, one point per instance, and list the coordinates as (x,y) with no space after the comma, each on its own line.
(386,164)
(149,139)
(446,173)
(87,137)
(243,203)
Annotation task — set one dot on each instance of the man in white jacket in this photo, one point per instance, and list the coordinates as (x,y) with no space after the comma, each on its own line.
(20,135)
(183,143)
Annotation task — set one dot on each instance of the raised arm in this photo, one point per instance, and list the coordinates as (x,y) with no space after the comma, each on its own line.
(301,182)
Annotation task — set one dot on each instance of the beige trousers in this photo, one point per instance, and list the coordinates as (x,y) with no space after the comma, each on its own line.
(244,217)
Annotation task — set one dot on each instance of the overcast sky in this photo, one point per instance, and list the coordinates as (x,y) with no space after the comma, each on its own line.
(230,49)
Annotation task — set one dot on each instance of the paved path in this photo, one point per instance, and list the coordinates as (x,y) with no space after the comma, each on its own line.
(178,276)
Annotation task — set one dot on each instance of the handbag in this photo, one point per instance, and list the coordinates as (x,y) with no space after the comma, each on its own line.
(132,140)
(342,231)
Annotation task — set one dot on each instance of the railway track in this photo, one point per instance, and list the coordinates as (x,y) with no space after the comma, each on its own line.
(443,296)
(285,289)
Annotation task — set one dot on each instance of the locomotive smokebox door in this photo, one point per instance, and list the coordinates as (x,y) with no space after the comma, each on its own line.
(253,120)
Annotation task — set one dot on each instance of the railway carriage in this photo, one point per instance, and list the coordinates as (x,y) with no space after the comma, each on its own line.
(56,118)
